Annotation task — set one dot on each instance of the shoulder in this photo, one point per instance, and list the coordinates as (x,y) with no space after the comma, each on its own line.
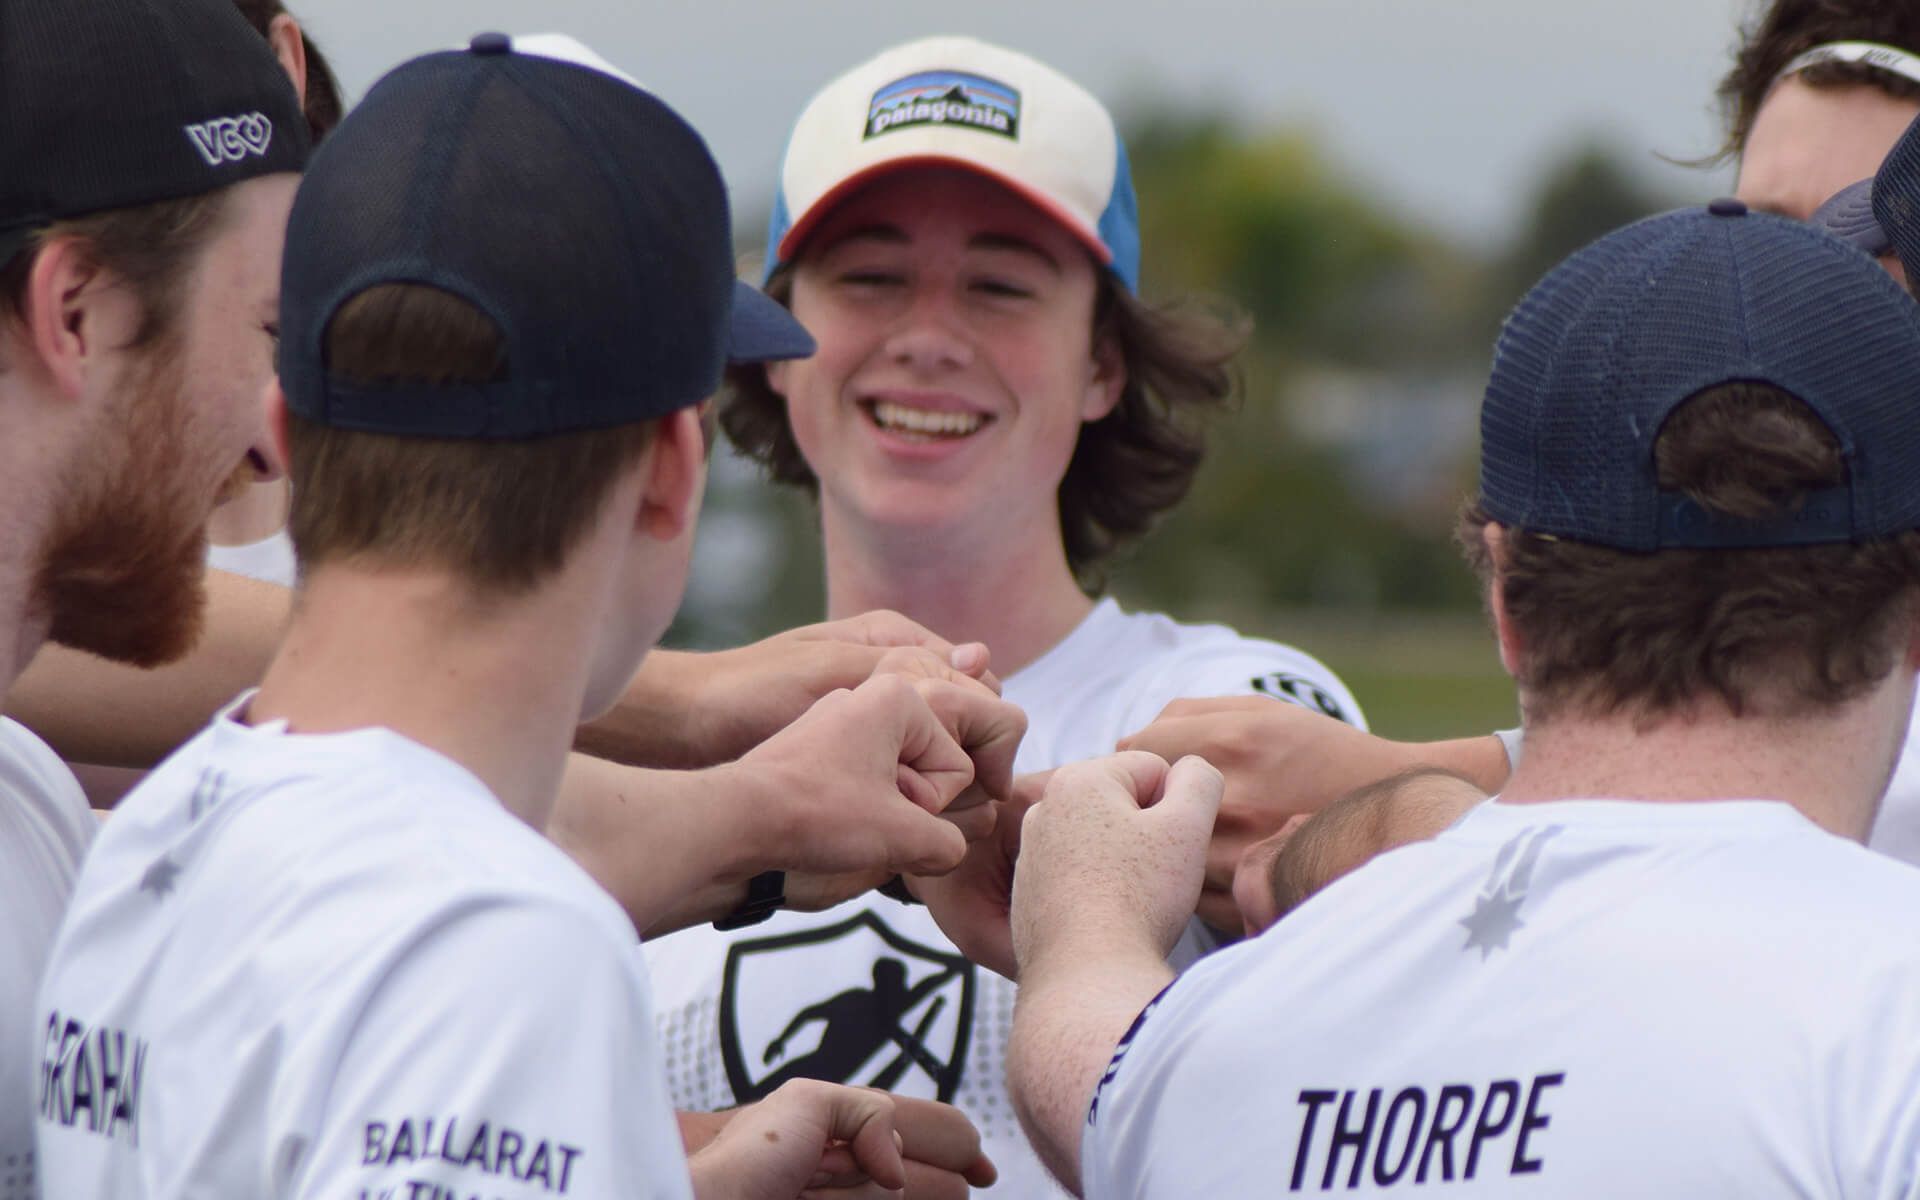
(1179,661)
(31,772)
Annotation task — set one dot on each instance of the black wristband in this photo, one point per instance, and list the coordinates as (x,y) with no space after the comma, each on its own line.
(766,895)
(896,889)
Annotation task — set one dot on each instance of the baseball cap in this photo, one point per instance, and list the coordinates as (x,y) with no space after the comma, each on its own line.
(538,183)
(1604,348)
(114,104)
(958,101)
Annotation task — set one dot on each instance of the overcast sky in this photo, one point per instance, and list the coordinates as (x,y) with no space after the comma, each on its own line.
(1449,107)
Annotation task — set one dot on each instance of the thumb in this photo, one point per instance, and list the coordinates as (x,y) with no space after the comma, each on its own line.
(1143,774)
(1190,799)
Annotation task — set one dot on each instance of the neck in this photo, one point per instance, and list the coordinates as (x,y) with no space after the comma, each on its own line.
(33,468)
(254,515)
(1013,592)
(495,685)
(1832,767)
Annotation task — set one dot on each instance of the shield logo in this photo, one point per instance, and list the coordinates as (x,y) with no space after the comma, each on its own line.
(855,1002)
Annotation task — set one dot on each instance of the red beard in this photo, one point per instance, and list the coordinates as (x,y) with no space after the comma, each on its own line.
(124,571)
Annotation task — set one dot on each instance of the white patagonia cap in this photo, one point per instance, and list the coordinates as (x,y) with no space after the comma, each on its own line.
(958,101)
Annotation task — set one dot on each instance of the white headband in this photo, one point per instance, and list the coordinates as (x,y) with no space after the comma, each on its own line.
(1868,54)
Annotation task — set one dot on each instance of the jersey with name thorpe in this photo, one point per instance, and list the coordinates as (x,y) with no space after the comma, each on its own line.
(1573,999)
(871,992)
(335,966)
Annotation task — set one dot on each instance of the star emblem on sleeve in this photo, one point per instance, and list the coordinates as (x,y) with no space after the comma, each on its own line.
(160,877)
(1495,919)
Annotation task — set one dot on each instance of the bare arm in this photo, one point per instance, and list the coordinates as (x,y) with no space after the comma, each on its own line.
(91,710)
(1280,873)
(681,710)
(1110,866)
(893,776)
(1282,762)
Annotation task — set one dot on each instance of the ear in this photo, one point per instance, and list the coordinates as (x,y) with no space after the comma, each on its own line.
(72,318)
(676,475)
(274,406)
(1106,381)
(777,374)
(283,34)
(1512,649)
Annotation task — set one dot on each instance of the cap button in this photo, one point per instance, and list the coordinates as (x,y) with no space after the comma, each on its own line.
(491,43)
(1727,206)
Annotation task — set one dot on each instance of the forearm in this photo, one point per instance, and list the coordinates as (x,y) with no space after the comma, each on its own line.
(653,724)
(92,710)
(1075,1003)
(1480,760)
(674,848)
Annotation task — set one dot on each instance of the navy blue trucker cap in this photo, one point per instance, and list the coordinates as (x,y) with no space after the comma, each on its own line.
(536,182)
(112,104)
(1615,338)
(1896,200)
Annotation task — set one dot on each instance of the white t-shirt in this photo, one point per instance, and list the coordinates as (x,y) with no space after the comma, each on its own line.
(871,992)
(45,827)
(1897,830)
(270,559)
(335,966)
(1583,998)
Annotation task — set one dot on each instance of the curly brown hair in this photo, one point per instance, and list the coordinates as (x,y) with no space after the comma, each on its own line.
(1127,469)
(1788,28)
(1769,631)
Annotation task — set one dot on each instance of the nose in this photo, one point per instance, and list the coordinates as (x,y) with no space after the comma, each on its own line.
(930,335)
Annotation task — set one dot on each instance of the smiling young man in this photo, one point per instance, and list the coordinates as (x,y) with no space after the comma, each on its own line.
(991,412)
(148,157)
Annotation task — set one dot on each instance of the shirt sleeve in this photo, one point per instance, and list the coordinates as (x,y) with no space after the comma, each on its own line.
(509,1053)
(1237,666)
(1126,1121)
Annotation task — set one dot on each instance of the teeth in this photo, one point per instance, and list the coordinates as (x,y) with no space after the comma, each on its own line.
(920,420)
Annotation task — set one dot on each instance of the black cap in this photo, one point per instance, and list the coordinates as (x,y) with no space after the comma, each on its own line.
(111,104)
(558,197)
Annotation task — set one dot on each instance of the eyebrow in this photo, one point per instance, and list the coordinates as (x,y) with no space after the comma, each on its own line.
(1018,245)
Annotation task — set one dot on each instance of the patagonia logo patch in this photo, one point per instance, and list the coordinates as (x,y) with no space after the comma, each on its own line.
(945,98)
(231,139)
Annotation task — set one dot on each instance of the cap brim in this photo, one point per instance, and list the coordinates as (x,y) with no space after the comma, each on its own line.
(804,223)
(1848,215)
(763,330)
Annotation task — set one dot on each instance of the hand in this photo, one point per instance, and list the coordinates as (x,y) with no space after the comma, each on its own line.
(858,783)
(973,903)
(1282,761)
(808,1135)
(987,728)
(939,1149)
(695,710)
(1111,858)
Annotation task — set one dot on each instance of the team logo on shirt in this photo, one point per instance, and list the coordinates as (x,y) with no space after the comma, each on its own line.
(945,98)
(854,1002)
(1295,689)
(1496,910)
